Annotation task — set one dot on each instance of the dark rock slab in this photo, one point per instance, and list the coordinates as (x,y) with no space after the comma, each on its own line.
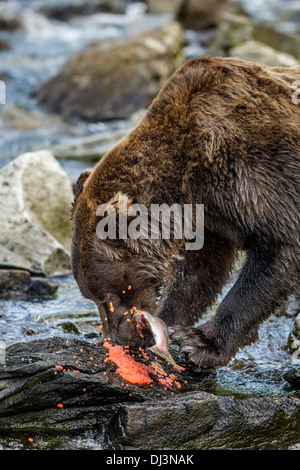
(9,22)
(200,14)
(39,375)
(4,46)
(68,9)
(293,376)
(171,423)
(19,284)
(202,421)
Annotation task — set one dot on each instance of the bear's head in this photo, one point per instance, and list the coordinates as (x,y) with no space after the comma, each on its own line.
(119,274)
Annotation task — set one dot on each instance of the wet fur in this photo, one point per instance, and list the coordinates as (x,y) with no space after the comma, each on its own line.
(225,133)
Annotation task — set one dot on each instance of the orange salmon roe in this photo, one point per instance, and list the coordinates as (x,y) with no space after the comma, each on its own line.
(132,371)
(136,372)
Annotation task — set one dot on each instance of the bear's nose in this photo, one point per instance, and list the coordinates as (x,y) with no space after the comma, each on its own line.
(120,326)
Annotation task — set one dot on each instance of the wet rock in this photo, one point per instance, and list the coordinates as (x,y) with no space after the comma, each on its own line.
(172,423)
(113,6)
(289,308)
(9,22)
(68,9)
(165,6)
(18,284)
(4,46)
(202,421)
(294,338)
(31,387)
(113,80)
(199,14)
(254,51)
(293,305)
(79,323)
(23,119)
(20,119)
(284,42)
(35,201)
(293,376)
(234,30)
(39,375)
(91,148)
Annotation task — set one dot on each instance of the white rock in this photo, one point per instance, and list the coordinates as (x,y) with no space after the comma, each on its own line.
(35,201)
(255,51)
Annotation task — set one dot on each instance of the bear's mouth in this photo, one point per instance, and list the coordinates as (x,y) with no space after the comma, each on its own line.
(136,329)
(133,327)
(120,326)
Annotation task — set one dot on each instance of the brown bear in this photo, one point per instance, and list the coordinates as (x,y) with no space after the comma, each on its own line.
(224,133)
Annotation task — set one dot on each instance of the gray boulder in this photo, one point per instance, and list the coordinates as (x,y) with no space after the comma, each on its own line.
(65,10)
(172,7)
(234,30)
(294,338)
(254,51)
(113,80)
(200,14)
(35,201)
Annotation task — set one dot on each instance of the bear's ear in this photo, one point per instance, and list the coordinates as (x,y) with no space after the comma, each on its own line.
(80,182)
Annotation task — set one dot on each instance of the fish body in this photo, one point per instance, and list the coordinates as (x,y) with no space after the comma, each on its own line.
(158,329)
(160,334)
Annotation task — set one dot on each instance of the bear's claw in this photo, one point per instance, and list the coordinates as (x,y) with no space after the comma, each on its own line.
(200,350)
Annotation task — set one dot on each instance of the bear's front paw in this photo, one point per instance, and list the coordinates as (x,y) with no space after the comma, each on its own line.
(201,349)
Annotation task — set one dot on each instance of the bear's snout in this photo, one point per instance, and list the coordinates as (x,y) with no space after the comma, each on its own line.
(120,326)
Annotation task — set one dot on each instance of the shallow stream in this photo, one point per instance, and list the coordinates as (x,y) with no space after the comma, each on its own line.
(43,45)
(38,52)
(257,370)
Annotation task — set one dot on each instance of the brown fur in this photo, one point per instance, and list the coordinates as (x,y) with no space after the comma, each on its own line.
(225,133)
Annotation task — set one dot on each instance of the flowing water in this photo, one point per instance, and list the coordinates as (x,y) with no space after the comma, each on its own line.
(37,52)
(284,15)
(43,45)
(257,370)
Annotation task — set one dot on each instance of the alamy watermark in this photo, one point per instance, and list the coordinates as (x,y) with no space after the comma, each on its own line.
(2,92)
(296,354)
(296,357)
(136,221)
(2,352)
